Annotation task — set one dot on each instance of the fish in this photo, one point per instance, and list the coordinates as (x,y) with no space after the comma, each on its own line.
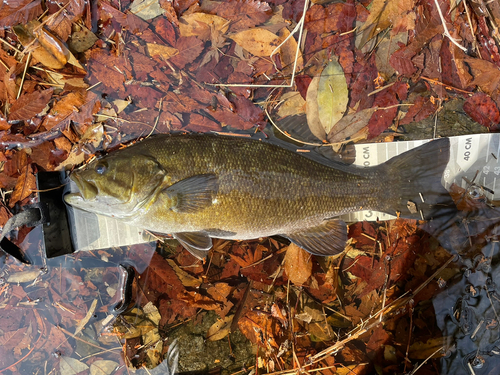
(196,187)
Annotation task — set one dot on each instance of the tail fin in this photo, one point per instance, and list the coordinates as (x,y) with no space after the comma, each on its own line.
(414,186)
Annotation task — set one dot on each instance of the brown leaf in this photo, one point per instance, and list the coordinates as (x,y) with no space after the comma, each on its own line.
(350,126)
(189,49)
(128,21)
(384,13)
(482,109)
(25,185)
(486,74)
(64,110)
(298,264)
(30,105)
(19,11)
(259,42)
(244,14)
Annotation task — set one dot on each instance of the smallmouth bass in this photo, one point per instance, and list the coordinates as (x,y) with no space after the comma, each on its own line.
(202,186)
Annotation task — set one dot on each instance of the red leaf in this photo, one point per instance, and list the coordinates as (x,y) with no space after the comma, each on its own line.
(382,119)
(25,185)
(30,105)
(421,109)
(13,12)
(189,49)
(129,21)
(244,14)
(202,124)
(482,109)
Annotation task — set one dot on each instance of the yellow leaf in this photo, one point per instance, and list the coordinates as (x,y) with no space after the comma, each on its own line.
(384,13)
(312,110)
(333,95)
(201,25)
(220,329)
(298,264)
(292,103)
(164,52)
(259,42)
(45,47)
(288,51)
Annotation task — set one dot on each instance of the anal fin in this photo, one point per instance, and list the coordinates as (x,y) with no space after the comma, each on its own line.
(197,243)
(326,239)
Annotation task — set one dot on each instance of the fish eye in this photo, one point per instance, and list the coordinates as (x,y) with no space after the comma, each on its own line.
(101,167)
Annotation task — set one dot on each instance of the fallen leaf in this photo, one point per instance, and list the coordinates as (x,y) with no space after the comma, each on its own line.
(71,366)
(189,49)
(425,350)
(25,185)
(185,278)
(49,51)
(23,276)
(259,42)
(333,95)
(291,103)
(146,9)
(244,14)
(103,367)
(288,53)
(220,329)
(162,51)
(312,110)
(30,105)
(202,25)
(350,126)
(19,11)
(384,13)
(298,264)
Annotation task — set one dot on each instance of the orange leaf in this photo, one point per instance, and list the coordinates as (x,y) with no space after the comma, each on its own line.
(298,264)
(25,185)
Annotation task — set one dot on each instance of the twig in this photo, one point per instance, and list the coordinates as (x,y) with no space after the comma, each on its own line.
(429,357)
(24,75)
(10,45)
(446,32)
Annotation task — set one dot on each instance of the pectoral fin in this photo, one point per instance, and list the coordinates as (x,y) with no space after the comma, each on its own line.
(193,193)
(197,243)
(326,239)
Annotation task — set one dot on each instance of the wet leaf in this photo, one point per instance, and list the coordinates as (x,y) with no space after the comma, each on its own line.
(23,276)
(146,9)
(312,110)
(220,329)
(185,278)
(424,350)
(259,42)
(164,52)
(333,95)
(384,13)
(47,49)
(71,366)
(202,25)
(244,14)
(298,264)
(103,367)
(189,49)
(30,105)
(13,12)
(482,109)
(351,127)
(25,185)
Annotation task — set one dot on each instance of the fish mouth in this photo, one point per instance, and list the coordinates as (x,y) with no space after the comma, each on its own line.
(88,190)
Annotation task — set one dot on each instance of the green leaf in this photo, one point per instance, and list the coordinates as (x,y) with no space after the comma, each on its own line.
(333,95)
